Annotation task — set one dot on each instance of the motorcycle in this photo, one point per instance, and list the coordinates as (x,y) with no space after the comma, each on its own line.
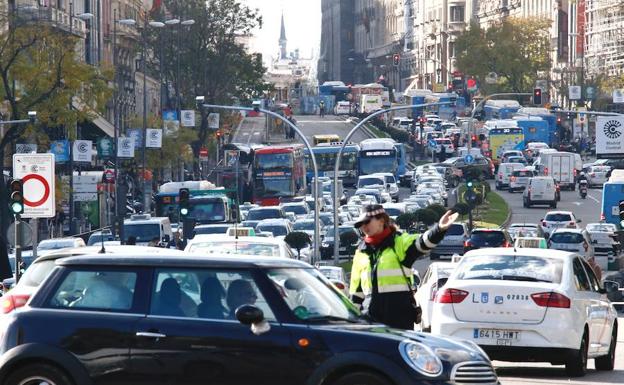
(583,188)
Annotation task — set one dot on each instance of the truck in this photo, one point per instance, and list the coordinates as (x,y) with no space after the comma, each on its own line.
(562,166)
(208,203)
(370,104)
(415,97)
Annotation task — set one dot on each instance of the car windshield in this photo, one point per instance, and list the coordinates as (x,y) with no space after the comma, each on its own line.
(259,214)
(144,232)
(489,237)
(523,173)
(311,297)
(455,229)
(53,245)
(564,237)
(296,209)
(98,238)
(233,247)
(370,182)
(558,218)
(211,229)
(303,225)
(599,227)
(277,230)
(393,212)
(511,268)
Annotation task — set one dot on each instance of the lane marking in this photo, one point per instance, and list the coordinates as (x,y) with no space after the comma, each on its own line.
(594,199)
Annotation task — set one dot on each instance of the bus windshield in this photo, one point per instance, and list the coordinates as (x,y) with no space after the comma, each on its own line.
(372,165)
(206,212)
(272,161)
(143,232)
(327,161)
(274,187)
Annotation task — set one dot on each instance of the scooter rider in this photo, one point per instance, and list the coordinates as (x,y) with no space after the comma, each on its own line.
(582,184)
(581,177)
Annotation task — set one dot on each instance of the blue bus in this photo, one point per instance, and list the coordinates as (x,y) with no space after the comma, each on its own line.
(446,112)
(500,109)
(547,116)
(325,155)
(416,97)
(612,194)
(381,155)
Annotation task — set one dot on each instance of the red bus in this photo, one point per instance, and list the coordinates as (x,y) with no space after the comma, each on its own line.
(279,174)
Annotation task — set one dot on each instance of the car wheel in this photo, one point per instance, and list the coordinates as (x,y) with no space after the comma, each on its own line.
(37,374)
(608,362)
(576,365)
(361,378)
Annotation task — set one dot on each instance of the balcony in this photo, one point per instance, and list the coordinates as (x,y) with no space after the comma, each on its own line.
(54,17)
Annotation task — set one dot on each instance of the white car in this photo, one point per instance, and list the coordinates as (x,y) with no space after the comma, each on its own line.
(529,305)
(559,220)
(435,277)
(391,184)
(337,276)
(224,245)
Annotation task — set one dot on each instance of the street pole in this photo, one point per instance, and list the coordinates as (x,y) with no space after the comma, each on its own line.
(315,191)
(339,156)
(144,138)
(18,247)
(115,125)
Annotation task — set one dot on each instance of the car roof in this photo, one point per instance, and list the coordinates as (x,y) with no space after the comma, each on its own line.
(486,229)
(578,231)
(229,238)
(61,240)
(525,251)
(560,212)
(213,225)
(274,221)
(265,207)
(108,250)
(183,260)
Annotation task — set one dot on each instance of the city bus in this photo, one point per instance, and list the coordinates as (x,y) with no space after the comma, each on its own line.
(500,109)
(381,155)
(279,174)
(208,204)
(503,135)
(327,138)
(325,155)
(446,112)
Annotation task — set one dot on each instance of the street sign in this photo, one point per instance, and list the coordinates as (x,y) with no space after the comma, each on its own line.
(105,147)
(188,118)
(469,159)
(125,147)
(618,95)
(574,92)
(82,151)
(213,120)
(37,174)
(85,183)
(60,149)
(590,93)
(25,148)
(154,138)
(27,234)
(203,154)
(432,143)
(109,176)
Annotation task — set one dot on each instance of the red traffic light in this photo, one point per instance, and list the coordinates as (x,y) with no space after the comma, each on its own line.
(537,96)
(396,59)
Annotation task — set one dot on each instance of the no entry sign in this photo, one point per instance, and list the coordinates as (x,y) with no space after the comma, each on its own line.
(37,174)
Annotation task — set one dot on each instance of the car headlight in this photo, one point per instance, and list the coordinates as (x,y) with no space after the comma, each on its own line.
(420,358)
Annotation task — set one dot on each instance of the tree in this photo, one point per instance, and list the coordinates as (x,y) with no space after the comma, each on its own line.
(406,220)
(297,240)
(349,239)
(39,70)
(516,49)
(438,209)
(211,61)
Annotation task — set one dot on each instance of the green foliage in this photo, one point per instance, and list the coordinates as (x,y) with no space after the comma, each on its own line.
(406,220)
(438,209)
(297,240)
(426,216)
(516,49)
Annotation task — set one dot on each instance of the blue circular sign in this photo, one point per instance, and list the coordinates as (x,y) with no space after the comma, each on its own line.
(469,159)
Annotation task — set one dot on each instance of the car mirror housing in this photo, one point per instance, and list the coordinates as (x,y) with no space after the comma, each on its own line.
(249,314)
(611,286)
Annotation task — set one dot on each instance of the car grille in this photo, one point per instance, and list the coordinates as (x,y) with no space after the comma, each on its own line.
(473,372)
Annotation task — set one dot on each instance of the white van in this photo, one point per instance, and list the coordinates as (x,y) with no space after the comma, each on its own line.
(503,177)
(144,228)
(562,166)
(540,190)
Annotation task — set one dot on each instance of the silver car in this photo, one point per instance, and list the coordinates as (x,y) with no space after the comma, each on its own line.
(573,240)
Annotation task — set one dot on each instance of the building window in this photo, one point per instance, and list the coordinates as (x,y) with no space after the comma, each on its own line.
(457,14)
(451,49)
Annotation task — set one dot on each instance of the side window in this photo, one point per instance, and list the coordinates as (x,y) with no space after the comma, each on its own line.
(205,293)
(593,280)
(105,290)
(580,278)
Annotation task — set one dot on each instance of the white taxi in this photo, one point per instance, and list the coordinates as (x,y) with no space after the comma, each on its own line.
(529,305)
(434,279)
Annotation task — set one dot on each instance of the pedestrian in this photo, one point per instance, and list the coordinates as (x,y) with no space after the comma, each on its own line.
(131,240)
(382,265)
(322,108)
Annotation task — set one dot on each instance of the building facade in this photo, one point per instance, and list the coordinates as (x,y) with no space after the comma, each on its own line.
(337,55)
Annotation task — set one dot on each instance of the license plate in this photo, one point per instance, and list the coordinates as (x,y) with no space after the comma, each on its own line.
(342,249)
(497,334)
(537,195)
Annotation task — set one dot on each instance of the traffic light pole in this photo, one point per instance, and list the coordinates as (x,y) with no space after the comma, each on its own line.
(18,246)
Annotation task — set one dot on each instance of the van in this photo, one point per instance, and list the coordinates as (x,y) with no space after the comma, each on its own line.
(541,190)
(562,166)
(144,228)
(503,177)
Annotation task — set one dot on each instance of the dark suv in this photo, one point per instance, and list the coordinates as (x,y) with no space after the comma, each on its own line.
(488,238)
(178,319)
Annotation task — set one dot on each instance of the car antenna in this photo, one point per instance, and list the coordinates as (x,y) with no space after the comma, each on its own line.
(102,250)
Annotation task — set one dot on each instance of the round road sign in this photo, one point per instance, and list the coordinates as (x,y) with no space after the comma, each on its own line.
(26,234)
(46,190)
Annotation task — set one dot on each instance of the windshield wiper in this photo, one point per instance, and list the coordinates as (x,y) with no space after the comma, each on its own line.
(322,318)
(523,278)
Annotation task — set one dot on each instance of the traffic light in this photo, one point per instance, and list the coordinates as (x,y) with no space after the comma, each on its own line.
(537,96)
(184,196)
(469,184)
(16,202)
(396,59)
(621,210)
(421,122)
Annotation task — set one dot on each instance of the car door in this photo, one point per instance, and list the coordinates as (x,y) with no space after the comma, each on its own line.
(585,303)
(190,335)
(600,311)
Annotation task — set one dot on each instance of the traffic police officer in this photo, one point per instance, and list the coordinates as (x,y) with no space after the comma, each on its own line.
(381,276)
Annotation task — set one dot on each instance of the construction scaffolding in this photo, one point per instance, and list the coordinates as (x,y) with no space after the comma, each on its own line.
(604,52)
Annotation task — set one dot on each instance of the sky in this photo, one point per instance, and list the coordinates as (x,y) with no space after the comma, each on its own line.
(303,26)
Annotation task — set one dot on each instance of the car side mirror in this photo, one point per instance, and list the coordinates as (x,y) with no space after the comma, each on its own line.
(578,221)
(611,286)
(252,315)
(416,277)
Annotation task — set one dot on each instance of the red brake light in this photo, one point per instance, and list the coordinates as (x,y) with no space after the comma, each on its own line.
(551,299)
(544,223)
(339,285)
(602,217)
(545,170)
(451,296)
(11,302)
(574,171)
(593,174)
(467,244)
(506,244)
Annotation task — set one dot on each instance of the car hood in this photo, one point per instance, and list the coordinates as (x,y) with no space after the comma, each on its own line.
(449,349)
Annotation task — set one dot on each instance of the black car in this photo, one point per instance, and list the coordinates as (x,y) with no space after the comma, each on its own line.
(212,320)
(349,237)
(488,238)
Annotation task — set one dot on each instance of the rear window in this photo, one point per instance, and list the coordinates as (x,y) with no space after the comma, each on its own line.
(522,173)
(567,238)
(455,229)
(490,237)
(510,268)
(558,217)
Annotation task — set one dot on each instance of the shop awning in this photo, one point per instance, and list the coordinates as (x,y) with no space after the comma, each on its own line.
(98,119)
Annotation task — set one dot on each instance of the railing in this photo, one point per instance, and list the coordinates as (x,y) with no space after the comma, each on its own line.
(56,17)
